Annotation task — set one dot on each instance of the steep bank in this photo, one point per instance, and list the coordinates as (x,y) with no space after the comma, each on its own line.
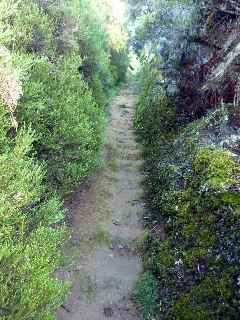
(105,226)
(187,119)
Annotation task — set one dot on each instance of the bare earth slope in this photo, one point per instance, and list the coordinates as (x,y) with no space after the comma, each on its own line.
(106,213)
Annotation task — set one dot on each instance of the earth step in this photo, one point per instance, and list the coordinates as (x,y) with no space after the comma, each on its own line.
(108,312)
(133,156)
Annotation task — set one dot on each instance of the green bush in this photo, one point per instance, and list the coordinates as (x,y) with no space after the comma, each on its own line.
(95,48)
(145,293)
(156,128)
(31,29)
(119,63)
(68,122)
(194,191)
(155,115)
(63,56)
(52,114)
(30,244)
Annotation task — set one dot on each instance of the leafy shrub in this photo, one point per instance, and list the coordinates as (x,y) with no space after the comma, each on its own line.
(119,62)
(30,245)
(155,115)
(32,28)
(155,124)
(145,293)
(194,190)
(67,77)
(203,270)
(52,122)
(69,124)
(95,48)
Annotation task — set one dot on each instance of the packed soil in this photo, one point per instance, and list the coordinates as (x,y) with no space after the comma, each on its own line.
(105,214)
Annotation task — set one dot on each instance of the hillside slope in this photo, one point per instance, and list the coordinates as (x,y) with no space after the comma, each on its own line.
(187,120)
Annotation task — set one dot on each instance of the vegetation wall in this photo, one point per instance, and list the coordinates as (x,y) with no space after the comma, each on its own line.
(191,247)
(58,70)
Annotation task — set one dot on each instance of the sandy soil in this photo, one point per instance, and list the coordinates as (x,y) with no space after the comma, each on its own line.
(105,217)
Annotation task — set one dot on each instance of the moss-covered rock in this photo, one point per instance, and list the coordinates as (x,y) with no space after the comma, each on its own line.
(194,190)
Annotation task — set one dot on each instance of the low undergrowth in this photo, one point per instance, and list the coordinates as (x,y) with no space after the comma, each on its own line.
(193,189)
(145,294)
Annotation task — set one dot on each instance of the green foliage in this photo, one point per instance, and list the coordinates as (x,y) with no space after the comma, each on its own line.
(155,124)
(69,124)
(31,28)
(57,76)
(145,293)
(65,58)
(95,47)
(155,115)
(194,190)
(119,63)
(30,245)
(28,287)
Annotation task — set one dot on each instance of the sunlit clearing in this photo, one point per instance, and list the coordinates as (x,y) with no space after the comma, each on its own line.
(117,33)
(118,9)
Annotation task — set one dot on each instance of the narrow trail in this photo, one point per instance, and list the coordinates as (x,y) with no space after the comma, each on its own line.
(106,214)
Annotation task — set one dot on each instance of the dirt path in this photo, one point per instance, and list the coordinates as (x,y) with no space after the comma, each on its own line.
(105,216)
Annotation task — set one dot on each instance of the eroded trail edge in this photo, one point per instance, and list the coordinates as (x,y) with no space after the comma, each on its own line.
(106,213)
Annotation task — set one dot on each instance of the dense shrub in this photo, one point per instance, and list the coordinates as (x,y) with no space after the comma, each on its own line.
(96,46)
(30,243)
(119,63)
(52,114)
(68,122)
(33,29)
(155,124)
(63,53)
(194,190)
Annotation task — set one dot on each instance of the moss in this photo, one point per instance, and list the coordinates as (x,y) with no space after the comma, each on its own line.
(207,300)
(87,287)
(194,253)
(102,237)
(194,190)
(111,157)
